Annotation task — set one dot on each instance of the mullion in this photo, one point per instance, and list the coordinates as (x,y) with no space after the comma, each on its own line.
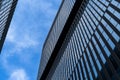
(95,19)
(115,7)
(75,48)
(86,28)
(79,31)
(99,9)
(87,58)
(111,37)
(90,12)
(71,52)
(113,15)
(77,45)
(82,36)
(86,70)
(87,25)
(114,29)
(85,32)
(78,72)
(70,58)
(89,20)
(74,60)
(109,62)
(103,52)
(79,59)
(103,3)
(68,69)
(83,67)
(89,62)
(74,53)
(94,60)
(72,63)
(84,76)
(98,57)
(95,12)
(108,22)
(67,62)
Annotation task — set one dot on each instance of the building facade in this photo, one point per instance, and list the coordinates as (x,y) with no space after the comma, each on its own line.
(83,42)
(7,8)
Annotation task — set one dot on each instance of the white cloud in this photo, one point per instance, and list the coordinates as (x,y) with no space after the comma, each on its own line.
(19,74)
(28,28)
(22,40)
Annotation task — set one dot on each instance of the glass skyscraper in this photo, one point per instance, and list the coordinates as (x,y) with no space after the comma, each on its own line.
(7,8)
(83,42)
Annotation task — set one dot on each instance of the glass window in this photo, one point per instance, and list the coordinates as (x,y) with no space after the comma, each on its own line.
(83,67)
(105,35)
(107,51)
(118,27)
(97,35)
(101,42)
(88,68)
(105,2)
(111,44)
(102,58)
(116,37)
(107,16)
(90,46)
(111,9)
(113,21)
(99,27)
(118,6)
(95,72)
(94,54)
(106,26)
(87,51)
(117,14)
(81,76)
(98,64)
(91,61)
(77,78)
(114,2)
(93,39)
(91,78)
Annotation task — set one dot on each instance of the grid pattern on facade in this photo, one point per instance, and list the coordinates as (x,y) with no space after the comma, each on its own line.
(55,32)
(6,11)
(92,51)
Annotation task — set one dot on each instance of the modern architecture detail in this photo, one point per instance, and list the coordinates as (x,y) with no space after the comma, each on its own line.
(7,8)
(84,42)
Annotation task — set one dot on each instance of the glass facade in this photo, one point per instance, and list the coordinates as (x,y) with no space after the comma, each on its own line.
(6,11)
(91,48)
(55,32)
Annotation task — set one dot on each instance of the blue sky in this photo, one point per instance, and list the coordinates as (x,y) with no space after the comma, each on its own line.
(21,52)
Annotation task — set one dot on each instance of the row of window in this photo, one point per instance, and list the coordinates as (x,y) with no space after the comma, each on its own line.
(5,7)
(90,53)
(55,32)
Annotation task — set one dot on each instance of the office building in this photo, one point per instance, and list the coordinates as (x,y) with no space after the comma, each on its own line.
(83,42)
(7,8)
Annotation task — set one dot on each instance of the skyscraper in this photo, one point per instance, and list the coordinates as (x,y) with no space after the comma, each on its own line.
(7,8)
(83,42)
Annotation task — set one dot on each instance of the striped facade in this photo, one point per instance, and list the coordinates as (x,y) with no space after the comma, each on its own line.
(7,8)
(84,42)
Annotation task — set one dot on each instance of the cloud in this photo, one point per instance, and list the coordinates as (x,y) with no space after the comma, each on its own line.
(27,32)
(22,40)
(19,74)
